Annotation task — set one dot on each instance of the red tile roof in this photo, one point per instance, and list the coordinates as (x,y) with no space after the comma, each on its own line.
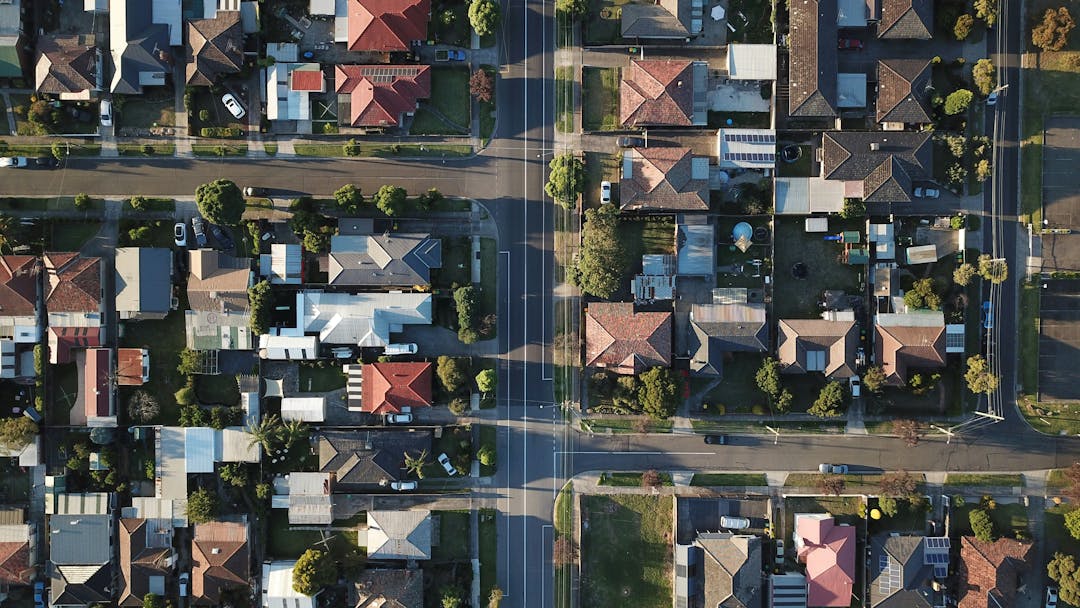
(388,387)
(657,93)
(306,80)
(15,566)
(625,341)
(18,284)
(129,366)
(663,178)
(73,283)
(899,347)
(829,554)
(387,25)
(991,569)
(62,340)
(96,387)
(219,560)
(378,94)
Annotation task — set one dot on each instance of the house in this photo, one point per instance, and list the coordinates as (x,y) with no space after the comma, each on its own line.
(143,283)
(729,324)
(904,341)
(283,265)
(390,387)
(399,535)
(277,586)
(664,179)
(367,460)
(906,20)
(746,148)
(387,25)
(292,348)
(68,67)
(309,499)
(215,47)
(132,366)
(787,590)
(818,345)
(723,569)
(664,93)
(379,95)
(903,570)
(624,341)
(806,195)
(80,560)
(220,560)
(20,287)
(73,299)
(218,282)
(666,20)
(389,588)
(289,88)
(812,82)
(146,559)
(304,409)
(12,40)
(365,319)
(903,92)
(990,573)
(751,62)
(877,166)
(828,550)
(97,392)
(185,451)
(386,259)
(140,34)
(15,566)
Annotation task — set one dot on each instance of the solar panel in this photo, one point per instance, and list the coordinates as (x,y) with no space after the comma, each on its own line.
(937,542)
(941,571)
(889,580)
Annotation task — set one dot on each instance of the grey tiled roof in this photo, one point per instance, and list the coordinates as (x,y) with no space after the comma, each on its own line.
(812,71)
(383,259)
(886,161)
(906,19)
(365,458)
(146,43)
(653,21)
(732,570)
(79,539)
(902,90)
(719,328)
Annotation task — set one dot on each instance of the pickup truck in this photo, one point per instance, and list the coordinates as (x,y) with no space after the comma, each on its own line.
(450,55)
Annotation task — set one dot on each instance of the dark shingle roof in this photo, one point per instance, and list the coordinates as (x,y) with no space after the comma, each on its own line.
(906,19)
(902,90)
(383,259)
(886,161)
(625,341)
(664,179)
(652,21)
(146,51)
(367,458)
(215,47)
(66,64)
(812,72)
(719,328)
(139,562)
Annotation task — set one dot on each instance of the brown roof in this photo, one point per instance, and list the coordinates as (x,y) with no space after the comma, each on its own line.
(657,93)
(808,345)
(906,19)
(663,178)
(218,282)
(214,47)
(902,90)
(388,589)
(219,560)
(377,95)
(66,64)
(139,562)
(991,569)
(129,366)
(15,568)
(899,347)
(387,25)
(73,283)
(388,387)
(812,70)
(18,284)
(96,389)
(62,340)
(624,341)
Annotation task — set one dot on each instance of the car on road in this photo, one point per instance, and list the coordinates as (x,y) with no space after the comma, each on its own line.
(17,162)
(922,192)
(849,44)
(605,192)
(835,469)
(180,234)
(222,237)
(987,315)
(253,191)
(1051,597)
(398,418)
(627,141)
(198,226)
(716,439)
(39,594)
(403,486)
(991,99)
(734,523)
(855,383)
(233,106)
(185,579)
(106,113)
(46,162)
(448,466)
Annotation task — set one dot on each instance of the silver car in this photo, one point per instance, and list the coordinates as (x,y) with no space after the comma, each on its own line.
(444,460)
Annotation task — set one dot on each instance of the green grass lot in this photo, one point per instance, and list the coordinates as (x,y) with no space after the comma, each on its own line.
(751,20)
(386,150)
(165,339)
(489,276)
(728,479)
(160,234)
(563,521)
(487,108)
(489,543)
(640,237)
(64,380)
(719,425)
(453,537)
(626,551)
(1029,339)
(907,519)
(14,485)
(974,479)
(564,99)
(799,168)
(220,389)
(17,148)
(854,481)
(1056,535)
(629,480)
(624,425)
(321,379)
(737,392)
(488,436)
(229,149)
(456,269)
(155,149)
(600,99)
(844,508)
(798,298)
(1007,518)
(151,109)
(286,543)
(70,235)
(448,112)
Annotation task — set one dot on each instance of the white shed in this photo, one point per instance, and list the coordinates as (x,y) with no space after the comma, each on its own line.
(304,409)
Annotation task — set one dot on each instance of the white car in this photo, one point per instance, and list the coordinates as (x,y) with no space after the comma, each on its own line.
(180,234)
(400,349)
(398,418)
(835,469)
(1051,597)
(185,578)
(856,385)
(13,161)
(605,192)
(780,552)
(233,106)
(106,113)
(444,460)
(403,486)
(921,192)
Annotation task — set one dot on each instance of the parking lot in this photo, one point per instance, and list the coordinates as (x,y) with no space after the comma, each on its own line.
(1059,341)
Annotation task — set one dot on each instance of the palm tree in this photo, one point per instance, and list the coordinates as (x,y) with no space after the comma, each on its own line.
(416,464)
(293,431)
(266,433)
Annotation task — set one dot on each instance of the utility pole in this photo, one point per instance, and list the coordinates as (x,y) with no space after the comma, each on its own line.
(776,434)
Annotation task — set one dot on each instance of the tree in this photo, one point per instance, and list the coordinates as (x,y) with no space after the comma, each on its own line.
(957,144)
(415,464)
(566,180)
(921,295)
(202,506)
(1063,571)
(484,16)
(958,101)
(427,200)
(349,198)
(783,402)
(900,484)
(993,270)
(768,378)
(153,600)
(963,26)
(486,455)
(1053,33)
(185,395)
(563,552)
(465,303)
(266,432)
(888,505)
(260,303)
(59,150)
(984,75)
(138,203)
(981,525)
(979,377)
(874,379)
(452,372)
(481,86)
(832,484)
(82,201)
(658,392)
(458,406)
(908,430)
(650,479)
(16,432)
(602,257)
(495,597)
(572,8)
(313,570)
(1072,523)
(263,491)
(963,274)
(221,202)
(190,362)
(987,10)
(234,473)
(828,402)
(983,170)
(451,597)
(486,380)
(853,208)
(143,407)
(390,199)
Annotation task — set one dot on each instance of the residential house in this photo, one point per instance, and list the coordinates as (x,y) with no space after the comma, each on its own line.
(309,498)
(723,569)
(146,559)
(366,460)
(903,570)
(664,179)
(379,95)
(220,560)
(877,166)
(80,560)
(664,93)
(283,265)
(143,283)
(906,20)
(828,550)
(215,47)
(729,324)
(389,588)
(15,566)
(12,40)
(132,366)
(388,388)
(186,451)
(365,319)
(751,62)
(818,345)
(20,300)
(289,88)
(97,394)
(387,259)
(277,586)
(73,299)
(218,282)
(398,535)
(904,341)
(812,81)
(746,149)
(68,67)
(990,573)
(903,93)
(667,20)
(386,25)
(624,341)
(140,34)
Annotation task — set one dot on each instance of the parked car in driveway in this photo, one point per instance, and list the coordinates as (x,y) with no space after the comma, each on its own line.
(835,469)
(448,466)
(628,141)
(198,226)
(403,486)
(106,113)
(180,234)
(398,418)
(855,384)
(734,523)
(233,106)
(450,55)
(605,192)
(849,44)
(922,192)
(222,237)
(185,580)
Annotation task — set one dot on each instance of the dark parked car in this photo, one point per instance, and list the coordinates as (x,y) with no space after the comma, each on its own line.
(716,439)
(222,237)
(849,44)
(627,141)
(198,226)
(46,162)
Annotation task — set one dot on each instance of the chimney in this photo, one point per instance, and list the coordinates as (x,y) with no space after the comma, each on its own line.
(215,551)
(875,146)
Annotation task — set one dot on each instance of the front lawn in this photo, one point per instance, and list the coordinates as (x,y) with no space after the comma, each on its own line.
(1055,534)
(799,297)
(626,551)
(321,379)
(845,509)
(160,233)
(71,236)
(975,479)
(1008,519)
(448,112)
(599,167)
(737,391)
(728,479)
(151,109)
(449,23)
(752,21)
(640,236)
(629,480)
(456,263)
(454,530)
(600,99)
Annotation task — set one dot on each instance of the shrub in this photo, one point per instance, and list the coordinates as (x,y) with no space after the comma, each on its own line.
(981,525)
(329,128)
(185,396)
(984,76)
(963,26)
(138,203)
(204,115)
(958,101)
(351,148)
(220,132)
(459,406)
(82,201)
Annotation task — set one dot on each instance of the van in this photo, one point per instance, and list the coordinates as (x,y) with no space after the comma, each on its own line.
(734,523)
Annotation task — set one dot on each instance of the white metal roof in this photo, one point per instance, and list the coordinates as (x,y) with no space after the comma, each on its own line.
(923,254)
(806,195)
(305,409)
(234,444)
(321,7)
(288,347)
(277,586)
(199,450)
(751,61)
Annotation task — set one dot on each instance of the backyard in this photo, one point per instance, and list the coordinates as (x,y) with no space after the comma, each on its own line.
(165,339)
(220,389)
(626,551)
(844,508)
(321,379)
(448,112)
(820,260)
(652,235)
(64,390)
(599,99)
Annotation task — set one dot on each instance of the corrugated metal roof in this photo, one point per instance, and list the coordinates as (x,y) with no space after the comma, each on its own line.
(306,409)
(199,450)
(80,539)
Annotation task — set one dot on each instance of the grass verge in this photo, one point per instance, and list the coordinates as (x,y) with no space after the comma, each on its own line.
(622,425)
(489,544)
(629,480)
(975,479)
(564,99)
(728,479)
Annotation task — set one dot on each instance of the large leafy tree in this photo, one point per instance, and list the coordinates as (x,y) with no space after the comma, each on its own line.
(1063,571)
(768,378)
(452,372)
(259,301)
(481,85)
(16,432)
(874,379)
(349,198)
(658,392)
(484,16)
(573,8)
(958,101)
(984,76)
(921,295)
(1053,33)
(987,10)
(415,463)
(566,180)
(390,199)
(202,506)
(979,377)
(313,571)
(143,407)
(981,525)
(828,402)
(603,258)
(486,380)
(221,202)
(993,270)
